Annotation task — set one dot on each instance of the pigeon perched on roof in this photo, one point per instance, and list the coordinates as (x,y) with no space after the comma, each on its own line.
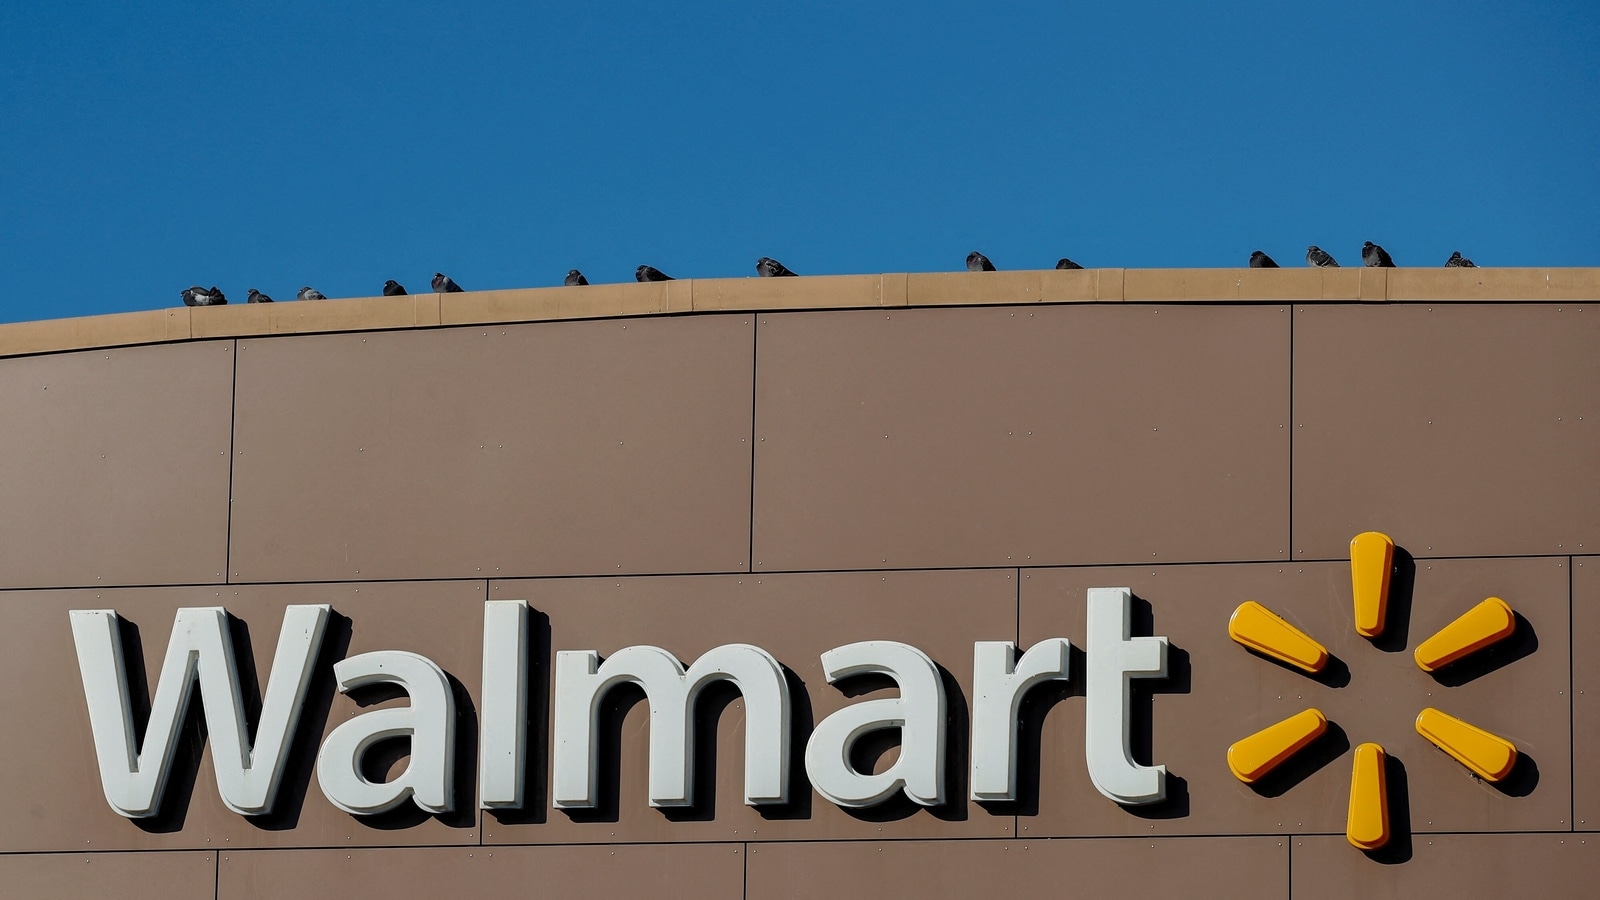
(650,273)
(392,288)
(1457,261)
(256,296)
(443,285)
(575,278)
(309,293)
(199,296)
(1316,256)
(1064,263)
(1259,260)
(768,267)
(977,262)
(1375,257)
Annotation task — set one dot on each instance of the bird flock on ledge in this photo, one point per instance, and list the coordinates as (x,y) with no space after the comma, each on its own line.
(1372,255)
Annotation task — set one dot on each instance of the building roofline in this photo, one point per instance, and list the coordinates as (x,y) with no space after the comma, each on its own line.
(918,289)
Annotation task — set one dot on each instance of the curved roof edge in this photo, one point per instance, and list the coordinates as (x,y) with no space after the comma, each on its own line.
(808,292)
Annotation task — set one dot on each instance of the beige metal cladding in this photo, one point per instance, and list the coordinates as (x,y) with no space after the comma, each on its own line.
(1522,285)
(802,463)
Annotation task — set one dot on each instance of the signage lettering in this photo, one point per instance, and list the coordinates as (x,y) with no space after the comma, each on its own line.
(248,775)
(201,649)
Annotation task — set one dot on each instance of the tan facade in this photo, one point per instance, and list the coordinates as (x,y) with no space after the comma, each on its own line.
(803,463)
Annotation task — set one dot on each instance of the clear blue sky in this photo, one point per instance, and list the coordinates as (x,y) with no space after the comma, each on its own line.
(150,146)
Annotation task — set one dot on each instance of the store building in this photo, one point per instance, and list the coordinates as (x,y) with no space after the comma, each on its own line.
(475,502)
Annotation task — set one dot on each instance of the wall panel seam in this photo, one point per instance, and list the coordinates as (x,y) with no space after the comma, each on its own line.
(414,579)
(1288,550)
(755,345)
(233,431)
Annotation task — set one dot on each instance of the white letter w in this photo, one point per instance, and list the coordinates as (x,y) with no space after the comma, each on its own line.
(247,778)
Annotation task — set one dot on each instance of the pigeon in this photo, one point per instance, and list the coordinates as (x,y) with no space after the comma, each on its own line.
(1316,256)
(256,296)
(768,267)
(1064,263)
(650,273)
(977,262)
(199,296)
(392,288)
(1375,257)
(443,285)
(1259,260)
(575,278)
(1457,261)
(307,293)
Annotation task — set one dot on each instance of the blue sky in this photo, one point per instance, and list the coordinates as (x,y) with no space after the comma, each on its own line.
(155,145)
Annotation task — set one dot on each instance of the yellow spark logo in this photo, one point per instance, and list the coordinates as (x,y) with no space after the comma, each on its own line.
(1489,756)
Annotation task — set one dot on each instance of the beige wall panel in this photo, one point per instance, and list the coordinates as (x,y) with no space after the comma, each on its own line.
(1205,285)
(1450,867)
(150,326)
(114,466)
(696,872)
(1021,435)
(1232,868)
(560,448)
(765,293)
(1013,286)
(588,301)
(795,618)
(1460,430)
(1494,283)
(1586,691)
(52,335)
(109,876)
(351,314)
(51,771)
(1221,692)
